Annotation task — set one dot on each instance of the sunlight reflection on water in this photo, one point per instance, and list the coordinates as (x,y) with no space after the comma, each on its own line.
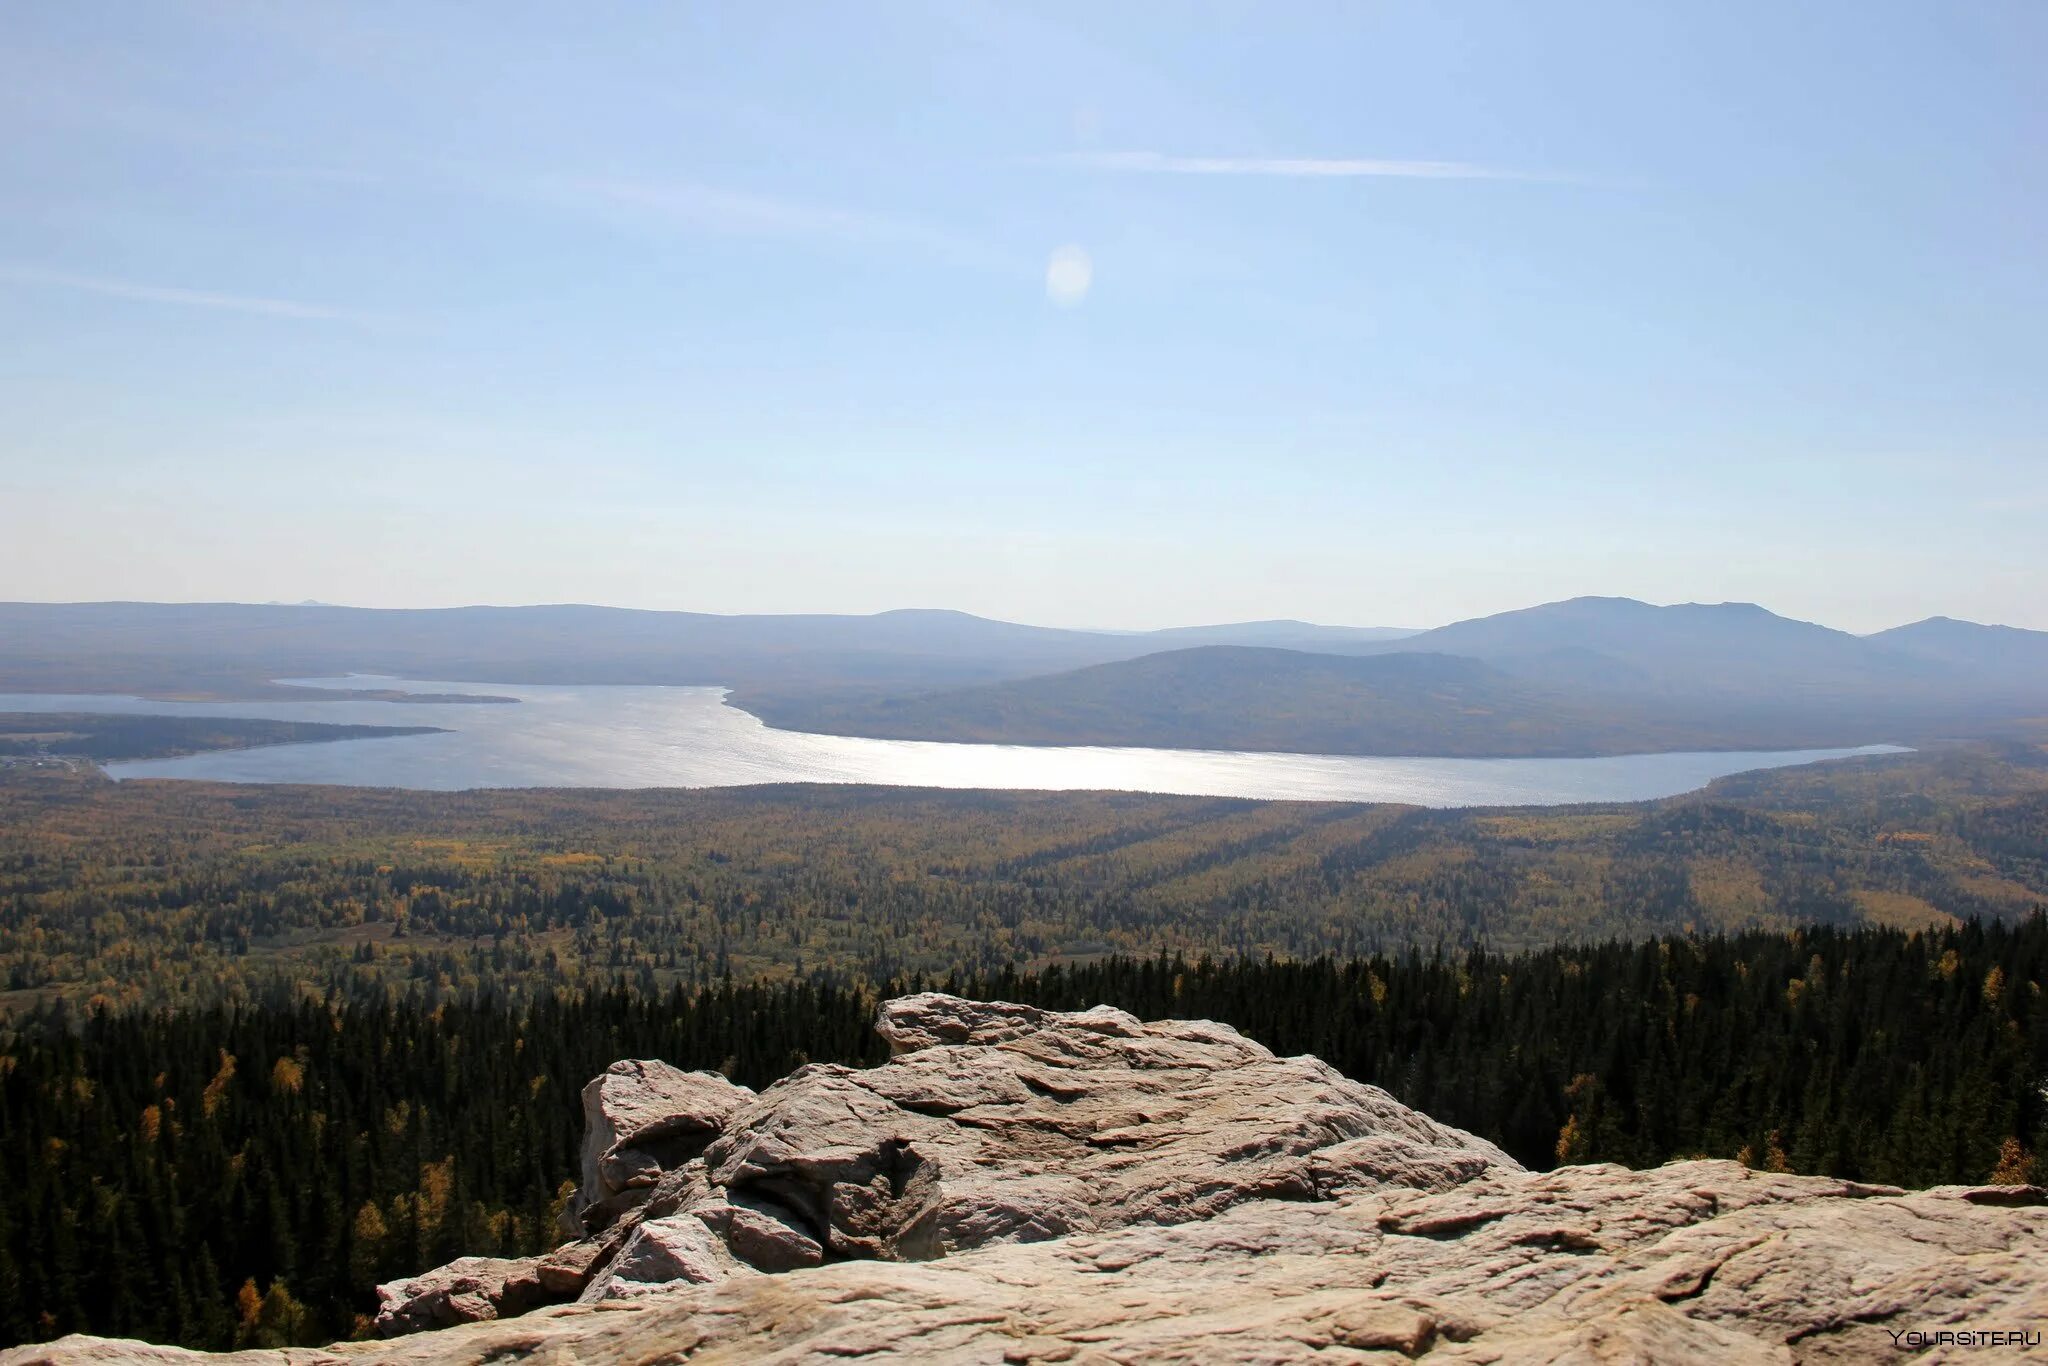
(607,736)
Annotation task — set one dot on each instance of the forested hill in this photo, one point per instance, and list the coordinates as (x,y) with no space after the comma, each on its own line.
(1289,701)
(167,892)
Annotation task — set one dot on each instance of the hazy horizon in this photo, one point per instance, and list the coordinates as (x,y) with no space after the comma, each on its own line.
(1118,317)
(1407,628)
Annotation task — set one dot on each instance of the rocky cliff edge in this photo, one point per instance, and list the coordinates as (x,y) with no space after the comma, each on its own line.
(1016,1185)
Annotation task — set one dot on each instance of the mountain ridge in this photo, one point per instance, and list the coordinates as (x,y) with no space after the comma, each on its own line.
(1970,644)
(1683,647)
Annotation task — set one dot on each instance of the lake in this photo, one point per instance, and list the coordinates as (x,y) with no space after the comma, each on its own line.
(603,736)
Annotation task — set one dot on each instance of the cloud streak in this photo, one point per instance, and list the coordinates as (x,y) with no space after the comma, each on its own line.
(255,305)
(1296,168)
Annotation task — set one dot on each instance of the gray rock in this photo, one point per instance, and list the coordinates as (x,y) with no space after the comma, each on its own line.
(563,1273)
(1693,1262)
(1003,1123)
(760,1233)
(641,1118)
(464,1291)
(674,1250)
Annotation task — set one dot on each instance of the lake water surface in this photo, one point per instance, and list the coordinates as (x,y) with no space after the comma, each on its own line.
(591,736)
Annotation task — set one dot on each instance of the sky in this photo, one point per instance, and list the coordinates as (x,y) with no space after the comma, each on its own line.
(1123,315)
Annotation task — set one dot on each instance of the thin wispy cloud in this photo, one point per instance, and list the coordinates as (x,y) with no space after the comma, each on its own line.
(1303,168)
(739,213)
(256,305)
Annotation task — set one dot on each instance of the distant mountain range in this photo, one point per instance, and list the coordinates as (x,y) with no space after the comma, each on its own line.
(234,649)
(1585,676)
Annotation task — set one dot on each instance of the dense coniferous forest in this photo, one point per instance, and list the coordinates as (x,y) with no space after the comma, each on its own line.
(245,1174)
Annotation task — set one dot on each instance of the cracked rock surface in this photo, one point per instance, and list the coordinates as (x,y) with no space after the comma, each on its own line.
(1022,1186)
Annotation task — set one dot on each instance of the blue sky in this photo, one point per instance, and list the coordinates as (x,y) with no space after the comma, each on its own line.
(1108,315)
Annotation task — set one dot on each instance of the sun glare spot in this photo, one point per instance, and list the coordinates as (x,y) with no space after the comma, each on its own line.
(1068,275)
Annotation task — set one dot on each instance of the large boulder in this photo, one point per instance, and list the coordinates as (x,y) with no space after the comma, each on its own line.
(1001,1123)
(466,1290)
(990,1124)
(640,1119)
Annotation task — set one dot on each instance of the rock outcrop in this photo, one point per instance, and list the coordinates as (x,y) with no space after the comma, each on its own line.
(991,1124)
(1021,1186)
(639,1120)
